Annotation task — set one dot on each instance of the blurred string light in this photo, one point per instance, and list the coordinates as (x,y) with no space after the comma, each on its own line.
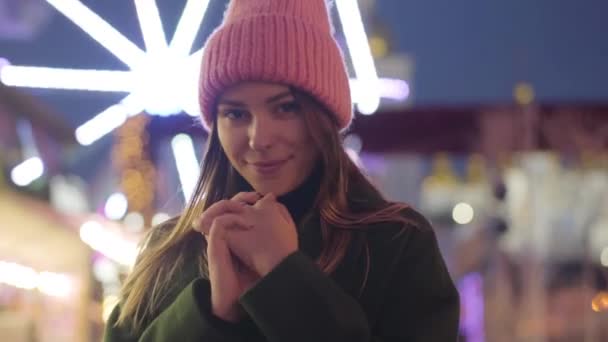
(378,46)
(186,163)
(23,277)
(523,93)
(137,172)
(172,65)
(463,213)
(108,243)
(116,206)
(600,302)
(27,172)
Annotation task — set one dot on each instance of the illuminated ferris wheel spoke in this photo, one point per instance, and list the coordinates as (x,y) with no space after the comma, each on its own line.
(71,79)
(104,33)
(188,26)
(151,26)
(108,120)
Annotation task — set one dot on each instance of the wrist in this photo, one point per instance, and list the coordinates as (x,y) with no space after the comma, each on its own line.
(231,315)
(274,262)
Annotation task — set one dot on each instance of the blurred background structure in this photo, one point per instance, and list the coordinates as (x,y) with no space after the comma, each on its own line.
(491,117)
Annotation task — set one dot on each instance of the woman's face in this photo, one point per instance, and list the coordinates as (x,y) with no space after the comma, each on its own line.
(261,128)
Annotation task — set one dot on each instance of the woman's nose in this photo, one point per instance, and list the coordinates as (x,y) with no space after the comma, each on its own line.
(261,133)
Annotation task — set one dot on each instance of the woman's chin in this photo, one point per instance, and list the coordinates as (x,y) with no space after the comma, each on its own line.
(276,189)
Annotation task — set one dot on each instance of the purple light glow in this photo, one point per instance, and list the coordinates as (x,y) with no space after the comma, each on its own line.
(472,301)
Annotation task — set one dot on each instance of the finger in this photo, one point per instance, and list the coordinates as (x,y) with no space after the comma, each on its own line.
(230,221)
(218,252)
(247,197)
(203,224)
(221,271)
(268,198)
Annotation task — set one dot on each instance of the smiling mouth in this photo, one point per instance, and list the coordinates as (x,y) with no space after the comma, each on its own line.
(269,167)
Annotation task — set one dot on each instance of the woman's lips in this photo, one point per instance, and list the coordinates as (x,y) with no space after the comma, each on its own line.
(269,167)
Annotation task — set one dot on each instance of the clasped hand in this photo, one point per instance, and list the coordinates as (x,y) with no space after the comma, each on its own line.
(247,236)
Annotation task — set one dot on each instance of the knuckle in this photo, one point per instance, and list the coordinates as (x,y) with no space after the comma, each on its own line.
(219,221)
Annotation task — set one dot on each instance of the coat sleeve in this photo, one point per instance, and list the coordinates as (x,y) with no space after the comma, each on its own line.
(298,302)
(188,318)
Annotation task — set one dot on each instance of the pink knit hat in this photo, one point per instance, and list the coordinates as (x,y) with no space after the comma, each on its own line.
(281,41)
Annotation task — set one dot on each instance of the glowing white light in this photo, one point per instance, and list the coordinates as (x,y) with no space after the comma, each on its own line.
(134,222)
(151,25)
(463,213)
(70,79)
(353,142)
(151,89)
(361,55)
(23,277)
(186,162)
(116,206)
(18,276)
(100,30)
(109,244)
(159,218)
(389,88)
(54,284)
(604,257)
(105,271)
(394,89)
(27,172)
(106,121)
(188,25)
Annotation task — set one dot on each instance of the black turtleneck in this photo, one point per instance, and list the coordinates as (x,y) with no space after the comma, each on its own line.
(301,199)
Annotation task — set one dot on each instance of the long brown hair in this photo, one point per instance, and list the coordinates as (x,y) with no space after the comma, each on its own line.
(167,249)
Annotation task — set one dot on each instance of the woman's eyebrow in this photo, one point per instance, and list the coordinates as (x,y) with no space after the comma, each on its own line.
(269,100)
(278,97)
(232,103)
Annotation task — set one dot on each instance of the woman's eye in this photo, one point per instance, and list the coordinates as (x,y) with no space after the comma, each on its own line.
(289,107)
(233,114)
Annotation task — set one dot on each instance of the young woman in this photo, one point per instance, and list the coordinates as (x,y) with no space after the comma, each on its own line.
(284,238)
